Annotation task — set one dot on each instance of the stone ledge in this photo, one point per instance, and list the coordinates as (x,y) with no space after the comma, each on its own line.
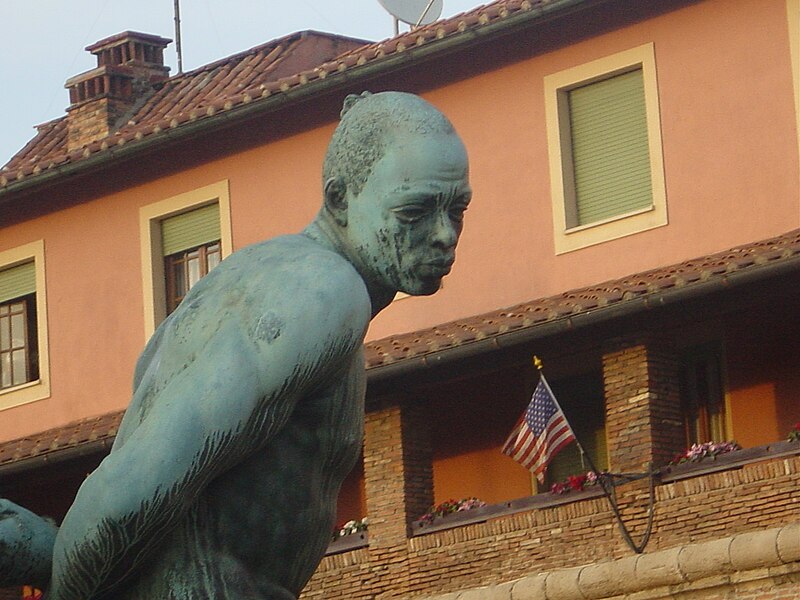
(729,460)
(744,557)
(346,543)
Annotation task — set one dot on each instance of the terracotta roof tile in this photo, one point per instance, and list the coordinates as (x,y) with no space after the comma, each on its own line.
(219,84)
(261,72)
(529,315)
(61,438)
(756,259)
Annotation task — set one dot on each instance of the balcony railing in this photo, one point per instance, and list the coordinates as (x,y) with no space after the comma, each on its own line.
(722,462)
(492,511)
(668,474)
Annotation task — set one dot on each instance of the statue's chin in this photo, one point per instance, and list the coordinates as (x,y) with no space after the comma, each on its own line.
(424,288)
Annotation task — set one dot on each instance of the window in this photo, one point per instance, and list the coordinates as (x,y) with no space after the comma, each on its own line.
(183,238)
(184,269)
(16,344)
(703,395)
(191,246)
(605,150)
(610,161)
(23,351)
(793,13)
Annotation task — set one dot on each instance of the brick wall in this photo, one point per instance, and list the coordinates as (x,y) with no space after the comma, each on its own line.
(398,481)
(93,120)
(759,495)
(763,564)
(789,589)
(349,575)
(703,508)
(643,421)
(643,425)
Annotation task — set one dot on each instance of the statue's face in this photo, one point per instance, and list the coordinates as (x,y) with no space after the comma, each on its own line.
(405,223)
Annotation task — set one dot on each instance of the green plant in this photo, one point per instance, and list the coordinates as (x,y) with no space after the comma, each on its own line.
(350,528)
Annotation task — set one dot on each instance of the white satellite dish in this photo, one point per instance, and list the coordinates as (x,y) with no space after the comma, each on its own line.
(414,12)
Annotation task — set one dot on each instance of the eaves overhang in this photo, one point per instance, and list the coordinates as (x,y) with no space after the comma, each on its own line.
(645,293)
(439,39)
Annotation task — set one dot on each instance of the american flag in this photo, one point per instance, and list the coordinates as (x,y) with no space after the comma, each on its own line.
(540,433)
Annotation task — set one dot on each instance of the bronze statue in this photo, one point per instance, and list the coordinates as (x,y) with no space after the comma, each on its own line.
(247,411)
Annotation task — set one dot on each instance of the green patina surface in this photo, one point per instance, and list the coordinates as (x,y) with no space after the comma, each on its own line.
(247,410)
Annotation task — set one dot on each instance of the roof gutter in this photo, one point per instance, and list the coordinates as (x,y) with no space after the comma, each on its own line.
(56,457)
(512,339)
(623,309)
(298,93)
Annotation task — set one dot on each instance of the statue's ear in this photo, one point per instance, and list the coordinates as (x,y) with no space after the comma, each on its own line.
(336,199)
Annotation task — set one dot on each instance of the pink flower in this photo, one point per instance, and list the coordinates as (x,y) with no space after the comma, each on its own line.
(699,452)
(451,506)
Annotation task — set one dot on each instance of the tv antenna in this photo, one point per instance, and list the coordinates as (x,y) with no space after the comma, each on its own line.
(413,12)
(178,46)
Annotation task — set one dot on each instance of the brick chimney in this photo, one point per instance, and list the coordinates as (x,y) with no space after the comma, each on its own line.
(129,65)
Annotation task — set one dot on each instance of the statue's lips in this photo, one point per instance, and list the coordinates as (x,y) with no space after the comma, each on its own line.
(435,269)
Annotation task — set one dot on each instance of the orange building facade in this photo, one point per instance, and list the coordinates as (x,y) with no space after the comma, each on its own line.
(662,306)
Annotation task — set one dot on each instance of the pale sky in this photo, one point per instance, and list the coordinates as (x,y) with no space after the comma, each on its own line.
(42,41)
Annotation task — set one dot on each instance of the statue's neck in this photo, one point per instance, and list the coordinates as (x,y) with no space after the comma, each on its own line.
(330,235)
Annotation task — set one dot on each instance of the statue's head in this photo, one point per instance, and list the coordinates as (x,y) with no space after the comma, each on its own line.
(396,187)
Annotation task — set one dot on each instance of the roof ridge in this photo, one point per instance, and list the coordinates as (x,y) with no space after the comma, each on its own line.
(289,37)
(366,54)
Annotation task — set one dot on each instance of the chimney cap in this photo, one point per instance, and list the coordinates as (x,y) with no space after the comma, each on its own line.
(127,36)
(113,70)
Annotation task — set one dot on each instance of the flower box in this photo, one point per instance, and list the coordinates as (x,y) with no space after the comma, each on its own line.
(729,460)
(493,511)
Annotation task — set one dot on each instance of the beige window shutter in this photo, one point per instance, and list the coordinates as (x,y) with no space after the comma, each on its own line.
(608,128)
(17,281)
(190,229)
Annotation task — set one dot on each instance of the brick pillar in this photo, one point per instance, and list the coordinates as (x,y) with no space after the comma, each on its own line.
(398,477)
(643,421)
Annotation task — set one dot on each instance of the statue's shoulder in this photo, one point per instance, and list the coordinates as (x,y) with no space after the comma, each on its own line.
(291,273)
(293,258)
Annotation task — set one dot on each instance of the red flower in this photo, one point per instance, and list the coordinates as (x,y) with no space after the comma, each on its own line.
(576,482)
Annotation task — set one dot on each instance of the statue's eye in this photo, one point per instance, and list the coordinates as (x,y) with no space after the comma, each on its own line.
(457,212)
(457,208)
(410,213)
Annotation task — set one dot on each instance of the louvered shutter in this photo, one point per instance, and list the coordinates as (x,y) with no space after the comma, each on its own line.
(190,229)
(17,281)
(610,152)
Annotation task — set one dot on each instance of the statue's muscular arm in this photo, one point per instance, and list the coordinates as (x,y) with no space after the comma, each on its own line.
(223,404)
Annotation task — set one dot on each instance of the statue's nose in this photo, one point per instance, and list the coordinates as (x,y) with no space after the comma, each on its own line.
(445,234)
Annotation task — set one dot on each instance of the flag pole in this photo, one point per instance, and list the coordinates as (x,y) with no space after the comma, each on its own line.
(537,362)
(602,477)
